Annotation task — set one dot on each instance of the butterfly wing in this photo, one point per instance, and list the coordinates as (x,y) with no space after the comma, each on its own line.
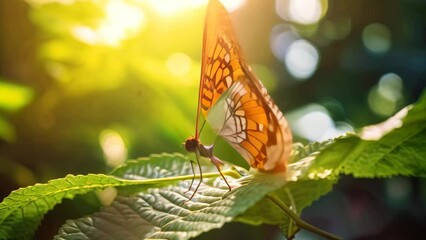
(235,102)
(248,119)
(221,65)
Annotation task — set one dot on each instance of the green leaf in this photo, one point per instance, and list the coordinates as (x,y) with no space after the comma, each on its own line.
(298,195)
(155,166)
(394,147)
(166,213)
(14,97)
(22,211)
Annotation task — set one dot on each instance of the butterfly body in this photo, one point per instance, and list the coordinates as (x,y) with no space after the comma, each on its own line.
(194,145)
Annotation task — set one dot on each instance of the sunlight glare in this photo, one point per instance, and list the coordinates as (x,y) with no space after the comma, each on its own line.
(115,151)
(107,195)
(170,7)
(313,122)
(178,64)
(232,5)
(313,125)
(305,11)
(280,41)
(375,132)
(301,59)
(121,21)
(42,2)
(301,11)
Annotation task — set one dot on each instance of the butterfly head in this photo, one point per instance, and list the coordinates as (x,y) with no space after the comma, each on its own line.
(191,144)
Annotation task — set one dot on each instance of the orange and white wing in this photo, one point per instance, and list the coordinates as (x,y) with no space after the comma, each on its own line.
(235,102)
(221,62)
(248,120)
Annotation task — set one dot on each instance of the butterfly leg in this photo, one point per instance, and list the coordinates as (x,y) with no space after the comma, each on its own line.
(217,162)
(201,176)
(207,151)
(193,177)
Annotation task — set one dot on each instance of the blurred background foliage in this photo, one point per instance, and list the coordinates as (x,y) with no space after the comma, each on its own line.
(86,84)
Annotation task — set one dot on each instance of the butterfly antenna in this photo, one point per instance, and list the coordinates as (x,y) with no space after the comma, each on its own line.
(201,129)
(201,175)
(199,105)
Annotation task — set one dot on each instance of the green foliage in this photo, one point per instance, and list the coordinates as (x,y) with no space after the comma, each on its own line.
(298,195)
(22,211)
(394,147)
(166,213)
(12,98)
(153,201)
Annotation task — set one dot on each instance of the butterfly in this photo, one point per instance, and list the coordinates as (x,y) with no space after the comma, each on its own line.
(235,103)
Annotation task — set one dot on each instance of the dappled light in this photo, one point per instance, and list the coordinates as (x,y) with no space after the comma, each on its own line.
(13,97)
(170,7)
(376,38)
(302,11)
(178,64)
(305,11)
(280,40)
(113,146)
(377,131)
(301,59)
(386,97)
(232,5)
(107,195)
(324,127)
(121,21)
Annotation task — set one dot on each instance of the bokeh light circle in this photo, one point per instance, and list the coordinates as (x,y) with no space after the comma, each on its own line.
(376,37)
(301,59)
(178,64)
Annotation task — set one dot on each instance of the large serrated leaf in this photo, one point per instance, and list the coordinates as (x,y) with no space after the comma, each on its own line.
(166,213)
(155,166)
(22,211)
(394,147)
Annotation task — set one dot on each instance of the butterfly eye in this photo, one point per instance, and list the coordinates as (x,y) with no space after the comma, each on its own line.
(191,144)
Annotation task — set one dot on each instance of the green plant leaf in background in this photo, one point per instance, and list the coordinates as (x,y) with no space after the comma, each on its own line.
(298,195)
(13,97)
(394,147)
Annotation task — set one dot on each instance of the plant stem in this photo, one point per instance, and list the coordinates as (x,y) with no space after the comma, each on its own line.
(299,222)
(180,178)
